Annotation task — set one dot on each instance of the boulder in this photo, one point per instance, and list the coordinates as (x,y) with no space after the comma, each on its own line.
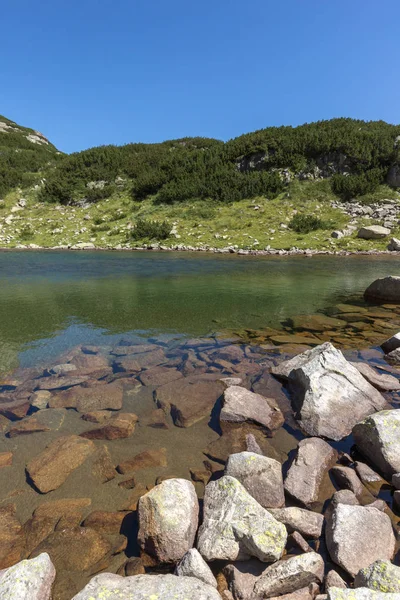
(333,579)
(306,522)
(241,405)
(373,232)
(331,395)
(28,580)
(346,478)
(56,382)
(318,323)
(193,565)
(49,469)
(12,537)
(90,399)
(383,382)
(335,593)
(188,400)
(378,438)
(366,474)
(40,399)
(357,536)
(168,519)
(391,344)
(394,245)
(44,420)
(159,376)
(344,497)
(147,587)
(242,576)
(119,426)
(104,521)
(380,576)
(144,460)
(236,526)
(260,476)
(385,289)
(314,458)
(289,575)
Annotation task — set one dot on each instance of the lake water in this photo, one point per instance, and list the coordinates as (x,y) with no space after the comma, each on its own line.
(52,301)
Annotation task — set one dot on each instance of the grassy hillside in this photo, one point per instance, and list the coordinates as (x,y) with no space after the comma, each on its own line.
(242,193)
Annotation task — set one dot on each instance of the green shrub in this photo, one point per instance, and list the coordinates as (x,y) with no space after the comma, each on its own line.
(26,232)
(97,193)
(305,223)
(350,186)
(152,230)
(101,227)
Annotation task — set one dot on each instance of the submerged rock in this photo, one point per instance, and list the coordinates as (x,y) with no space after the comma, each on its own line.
(378,438)
(385,289)
(290,575)
(331,396)
(261,477)
(49,469)
(241,405)
(12,539)
(28,580)
(236,527)
(144,460)
(147,587)
(314,458)
(168,519)
(381,576)
(356,536)
(193,565)
(119,426)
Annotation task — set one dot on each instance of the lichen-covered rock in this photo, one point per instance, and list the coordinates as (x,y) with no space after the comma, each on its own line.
(356,536)
(146,587)
(304,521)
(290,575)
(381,576)
(168,519)
(358,594)
(314,458)
(384,289)
(241,405)
(331,395)
(28,580)
(260,475)
(193,565)
(236,526)
(378,438)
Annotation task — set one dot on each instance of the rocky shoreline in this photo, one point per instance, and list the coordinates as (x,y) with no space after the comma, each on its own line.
(298,495)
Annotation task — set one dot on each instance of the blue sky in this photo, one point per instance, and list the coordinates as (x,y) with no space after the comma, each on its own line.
(93,72)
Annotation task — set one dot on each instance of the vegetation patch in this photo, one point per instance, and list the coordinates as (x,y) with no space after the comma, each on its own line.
(151,230)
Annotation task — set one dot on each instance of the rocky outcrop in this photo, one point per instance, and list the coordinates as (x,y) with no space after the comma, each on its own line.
(28,580)
(260,476)
(236,527)
(314,458)
(378,438)
(357,536)
(51,467)
(193,565)
(290,575)
(385,289)
(381,576)
(373,232)
(241,405)
(146,587)
(168,519)
(331,396)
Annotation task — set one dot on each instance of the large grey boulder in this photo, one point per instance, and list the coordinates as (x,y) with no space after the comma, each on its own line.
(304,521)
(358,594)
(236,526)
(314,458)
(168,519)
(28,580)
(241,405)
(289,575)
(391,344)
(378,438)
(146,587)
(193,565)
(373,232)
(356,536)
(381,576)
(385,289)
(331,395)
(260,475)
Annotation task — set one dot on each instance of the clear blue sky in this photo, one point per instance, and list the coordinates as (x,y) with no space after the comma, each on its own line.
(90,72)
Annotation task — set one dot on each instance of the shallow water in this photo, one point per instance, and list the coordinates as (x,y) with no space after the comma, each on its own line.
(51,301)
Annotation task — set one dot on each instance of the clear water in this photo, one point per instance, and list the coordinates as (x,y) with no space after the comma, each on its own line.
(51,301)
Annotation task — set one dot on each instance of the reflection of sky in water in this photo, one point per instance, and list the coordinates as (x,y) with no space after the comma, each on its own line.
(52,301)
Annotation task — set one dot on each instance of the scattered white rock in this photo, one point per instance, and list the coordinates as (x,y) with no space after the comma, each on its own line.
(378,438)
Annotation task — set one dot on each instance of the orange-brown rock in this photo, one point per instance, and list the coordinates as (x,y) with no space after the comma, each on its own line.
(102,466)
(13,408)
(54,382)
(159,376)
(12,539)
(157,419)
(97,416)
(133,566)
(86,364)
(144,460)
(43,420)
(89,399)
(127,484)
(119,426)
(50,468)
(56,509)
(104,521)
(132,502)
(37,529)
(76,549)
(6,459)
